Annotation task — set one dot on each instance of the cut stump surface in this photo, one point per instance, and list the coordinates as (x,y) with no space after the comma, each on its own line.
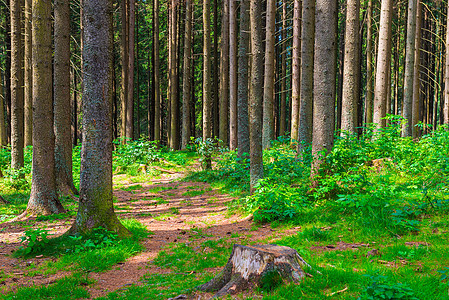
(249,264)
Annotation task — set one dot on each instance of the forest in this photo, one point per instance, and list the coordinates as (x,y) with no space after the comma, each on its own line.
(167,149)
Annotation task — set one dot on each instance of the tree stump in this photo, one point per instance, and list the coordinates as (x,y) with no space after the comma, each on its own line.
(248,265)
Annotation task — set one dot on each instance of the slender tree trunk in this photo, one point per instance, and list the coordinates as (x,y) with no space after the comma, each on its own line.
(296,69)
(173,78)
(187,83)
(129,132)
(351,75)
(28,79)
(43,197)
(446,76)
(157,82)
(269,78)
(224,75)
(306,87)
(256,94)
(62,111)
(17,97)
(75,109)
(207,73)
(369,65)
(137,125)
(283,108)
(243,122)
(3,137)
(125,57)
(215,66)
(416,73)
(324,80)
(95,204)
(383,64)
(233,62)
(409,65)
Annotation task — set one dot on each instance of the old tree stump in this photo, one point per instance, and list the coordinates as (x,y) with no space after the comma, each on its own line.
(248,265)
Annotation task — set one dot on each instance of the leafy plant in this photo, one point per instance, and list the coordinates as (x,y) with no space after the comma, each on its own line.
(206,149)
(382,288)
(37,240)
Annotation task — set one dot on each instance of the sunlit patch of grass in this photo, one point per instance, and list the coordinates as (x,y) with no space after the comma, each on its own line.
(193,193)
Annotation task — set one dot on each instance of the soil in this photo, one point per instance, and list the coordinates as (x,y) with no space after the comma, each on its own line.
(168,207)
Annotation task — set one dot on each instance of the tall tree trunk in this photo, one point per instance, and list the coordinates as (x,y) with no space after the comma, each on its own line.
(187,83)
(324,80)
(95,204)
(125,57)
(369,64)
(383,64)
(157,81)
(269,78)
(62,111)
(283,105)
(28,78)
(351,75)
(17,97)
(446,76)
(306,88)
(256,94)
(129,131)
(243,122)
(215,66)
(207,73)
(7,54)
(137,125)
(3,137)
(233,62)
(416,73)
(224,75)
(173,77)
(296,69)
(409,65)
(43,197)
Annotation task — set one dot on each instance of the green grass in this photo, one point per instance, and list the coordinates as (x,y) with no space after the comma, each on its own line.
(193,193)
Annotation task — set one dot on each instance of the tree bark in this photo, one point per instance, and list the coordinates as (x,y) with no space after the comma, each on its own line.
(256,94)
(248,265)
(215,69)
(383,64)
(3,137)
(350,70)
(233,62)
(283,104)
(62,113)
(306,86)
(17,82)
(95,204)
(207,73)
(369,64)
(269,78)
(243,122)
(157,82)
(324,80)
(409,66)
(187,83)
(28,78)
(124,52)
(43,197)
(224,75)
(416,74)
(296,69)
(173,77)
(129,129)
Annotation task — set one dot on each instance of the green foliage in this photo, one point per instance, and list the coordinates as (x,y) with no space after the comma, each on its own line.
(382,288)
(270,280)
(141,151)
(444,274)
(206,149)
(37,240)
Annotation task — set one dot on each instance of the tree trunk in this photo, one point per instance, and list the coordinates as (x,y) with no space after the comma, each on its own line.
(224,75)
(95,204)
(256,94)
(3,137)
(215,66)
(369,65)
(409,65)
(137,118)
(350,96)
(207,73)
(446,76)
(17,97)
(187,83)
(269,78)
(383,64)
(28,78)
(243,122)
(416,73)
(129,130)
(233,61)
(324,80)
(157,81)
(124,52)
(173,77)
(250,265)
(62,114)
(43,197)
(296,69)
(306,87)
(283,104)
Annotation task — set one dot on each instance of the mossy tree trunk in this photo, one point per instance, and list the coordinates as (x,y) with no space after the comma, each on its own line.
(43,197)
(95,205)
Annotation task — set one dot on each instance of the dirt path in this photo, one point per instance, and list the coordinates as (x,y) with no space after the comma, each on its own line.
(168,207)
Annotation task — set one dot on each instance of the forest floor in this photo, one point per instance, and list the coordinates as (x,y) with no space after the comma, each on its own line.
(173,211)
